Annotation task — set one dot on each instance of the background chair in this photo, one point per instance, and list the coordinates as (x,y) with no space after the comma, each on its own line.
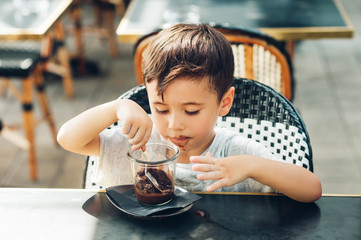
(23,62)
(139,48)
(257,56)
(262,58)
(106,14)
(258,112)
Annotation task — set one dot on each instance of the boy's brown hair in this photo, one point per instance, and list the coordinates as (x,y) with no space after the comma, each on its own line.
(192,50)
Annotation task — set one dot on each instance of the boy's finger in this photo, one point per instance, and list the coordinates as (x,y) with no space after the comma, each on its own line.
(126,128)
(216,185)
(147,134)
(200,159)
(134,147)
(138,146)
(138,136)
(133,130)
(213,175)
(146,137)
(203,167)
(141,144)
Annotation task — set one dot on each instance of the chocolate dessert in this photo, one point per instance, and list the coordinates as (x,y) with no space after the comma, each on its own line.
(146,192)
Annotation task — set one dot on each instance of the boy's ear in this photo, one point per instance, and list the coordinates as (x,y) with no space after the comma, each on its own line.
(226,102)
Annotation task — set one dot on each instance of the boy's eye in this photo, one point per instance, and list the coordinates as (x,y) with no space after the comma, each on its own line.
(192,112)
(161,111)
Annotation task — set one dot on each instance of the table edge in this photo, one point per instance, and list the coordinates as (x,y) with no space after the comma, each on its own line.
(195,192)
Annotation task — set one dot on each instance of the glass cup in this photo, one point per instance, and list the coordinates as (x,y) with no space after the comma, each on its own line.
(154,172)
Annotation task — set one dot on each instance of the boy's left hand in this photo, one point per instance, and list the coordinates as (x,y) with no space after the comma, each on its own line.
(226,171)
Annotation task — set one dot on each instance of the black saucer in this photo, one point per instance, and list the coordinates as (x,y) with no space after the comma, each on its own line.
(157,215)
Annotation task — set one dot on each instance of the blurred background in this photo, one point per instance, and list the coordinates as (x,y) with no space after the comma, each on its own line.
(327,95)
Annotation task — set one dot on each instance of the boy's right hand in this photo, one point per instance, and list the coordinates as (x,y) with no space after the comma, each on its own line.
(137,125)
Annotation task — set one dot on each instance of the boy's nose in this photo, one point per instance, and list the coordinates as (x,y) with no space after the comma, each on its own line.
(175,122)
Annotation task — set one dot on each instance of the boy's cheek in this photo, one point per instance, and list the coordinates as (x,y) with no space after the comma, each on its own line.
(160,125)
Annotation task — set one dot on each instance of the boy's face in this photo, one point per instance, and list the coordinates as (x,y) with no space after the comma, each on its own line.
(187,115)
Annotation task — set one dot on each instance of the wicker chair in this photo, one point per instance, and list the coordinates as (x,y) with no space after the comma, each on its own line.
(139,48)
(262,58)
(24,63)
(256,56)
(258,112)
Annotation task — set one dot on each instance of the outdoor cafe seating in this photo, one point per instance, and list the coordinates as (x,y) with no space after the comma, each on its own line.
(263,110)
(258,112)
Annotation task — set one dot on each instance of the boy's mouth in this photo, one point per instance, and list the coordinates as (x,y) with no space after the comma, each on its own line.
(180,140)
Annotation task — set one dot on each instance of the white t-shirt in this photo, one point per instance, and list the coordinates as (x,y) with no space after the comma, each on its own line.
(114,167)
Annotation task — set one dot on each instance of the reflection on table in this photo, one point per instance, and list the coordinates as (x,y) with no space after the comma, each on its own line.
(84,214)
(282,19)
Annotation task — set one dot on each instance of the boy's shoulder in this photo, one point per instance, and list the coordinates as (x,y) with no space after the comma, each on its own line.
(229,143)
(226,136)
(227,133)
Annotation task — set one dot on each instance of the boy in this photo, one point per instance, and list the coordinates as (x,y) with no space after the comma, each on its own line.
(188,74)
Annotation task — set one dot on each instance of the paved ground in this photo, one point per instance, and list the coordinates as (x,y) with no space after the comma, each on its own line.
(328,97)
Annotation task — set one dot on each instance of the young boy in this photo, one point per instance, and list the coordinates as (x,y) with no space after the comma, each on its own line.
(188,74)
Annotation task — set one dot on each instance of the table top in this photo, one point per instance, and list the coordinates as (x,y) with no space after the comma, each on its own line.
(282,19)
(29,20)
(86,214)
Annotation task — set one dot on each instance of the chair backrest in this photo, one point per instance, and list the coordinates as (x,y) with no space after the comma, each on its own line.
(260,57)
(261,113)
(257,56)
(139,48)
(258,112)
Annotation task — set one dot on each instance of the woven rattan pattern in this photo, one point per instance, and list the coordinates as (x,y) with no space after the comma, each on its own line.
(257,101)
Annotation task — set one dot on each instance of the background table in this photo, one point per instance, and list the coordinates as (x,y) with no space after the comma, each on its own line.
(39,20)
(85,214)
(282,19)
(29,20)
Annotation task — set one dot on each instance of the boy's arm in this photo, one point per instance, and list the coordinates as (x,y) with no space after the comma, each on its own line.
(294,181)
(81,134)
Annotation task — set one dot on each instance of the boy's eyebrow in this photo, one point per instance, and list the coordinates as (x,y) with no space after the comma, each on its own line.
(158,103)
(193,103)
(187,103)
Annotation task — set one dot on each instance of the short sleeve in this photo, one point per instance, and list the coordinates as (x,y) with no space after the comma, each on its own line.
(113,167)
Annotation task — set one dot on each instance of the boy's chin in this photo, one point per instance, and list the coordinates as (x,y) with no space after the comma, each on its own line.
(182,149)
